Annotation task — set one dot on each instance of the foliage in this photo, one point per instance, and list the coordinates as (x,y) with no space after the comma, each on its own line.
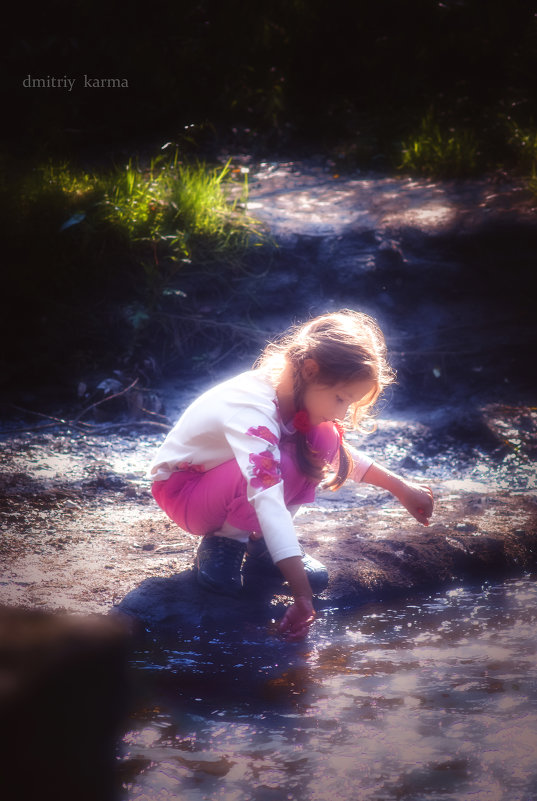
(437,152)
(178,207)
(270,70)
(523,141)
(532,182)
(96,253)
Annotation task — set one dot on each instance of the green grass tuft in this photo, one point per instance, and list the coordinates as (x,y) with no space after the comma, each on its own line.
(185,209)
(523,142)
(439,152)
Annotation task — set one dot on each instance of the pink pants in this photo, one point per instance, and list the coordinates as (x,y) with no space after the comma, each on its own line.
(201,503)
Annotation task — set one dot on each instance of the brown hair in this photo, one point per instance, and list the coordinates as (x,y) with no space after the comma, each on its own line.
(347,346)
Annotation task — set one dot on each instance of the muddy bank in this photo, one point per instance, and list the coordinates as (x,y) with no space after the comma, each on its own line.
(81,533)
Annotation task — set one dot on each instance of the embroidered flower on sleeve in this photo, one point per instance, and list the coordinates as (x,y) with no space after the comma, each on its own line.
(263,433)
(266,470)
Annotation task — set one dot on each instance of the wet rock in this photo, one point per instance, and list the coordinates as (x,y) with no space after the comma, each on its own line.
(512,428)
(458,314)
(179,603)
(142,401)
(487,543)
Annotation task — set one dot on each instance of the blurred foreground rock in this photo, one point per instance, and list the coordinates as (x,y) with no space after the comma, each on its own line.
(62,689)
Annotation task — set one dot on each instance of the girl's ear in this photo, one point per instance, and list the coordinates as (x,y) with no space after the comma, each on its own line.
(309,370)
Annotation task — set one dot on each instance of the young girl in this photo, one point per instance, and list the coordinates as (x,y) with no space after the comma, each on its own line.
(247,453)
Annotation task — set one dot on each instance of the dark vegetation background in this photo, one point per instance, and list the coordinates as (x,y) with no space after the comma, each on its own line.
(352,81)
(295,72)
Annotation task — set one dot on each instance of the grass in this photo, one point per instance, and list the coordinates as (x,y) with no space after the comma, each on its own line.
(91,256)
(101,260)
(440,152)
(523,141)
(184,209)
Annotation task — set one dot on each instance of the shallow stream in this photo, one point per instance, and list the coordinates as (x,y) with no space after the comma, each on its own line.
(432,697)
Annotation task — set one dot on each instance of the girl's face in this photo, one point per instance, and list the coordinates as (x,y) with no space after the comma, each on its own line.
(325,403)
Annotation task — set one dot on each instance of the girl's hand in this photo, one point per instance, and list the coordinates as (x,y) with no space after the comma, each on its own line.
(297,619)
(418,500)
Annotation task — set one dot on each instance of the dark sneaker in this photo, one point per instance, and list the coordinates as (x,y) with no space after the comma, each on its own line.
(259,562)
(218,564)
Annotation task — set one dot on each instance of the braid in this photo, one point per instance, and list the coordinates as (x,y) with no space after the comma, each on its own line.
(308,461)
(344,468)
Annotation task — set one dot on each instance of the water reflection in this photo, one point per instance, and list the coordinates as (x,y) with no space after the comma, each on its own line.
(434,697)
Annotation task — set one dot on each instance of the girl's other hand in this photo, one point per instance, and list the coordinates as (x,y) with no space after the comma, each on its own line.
(297,619)
(418,500)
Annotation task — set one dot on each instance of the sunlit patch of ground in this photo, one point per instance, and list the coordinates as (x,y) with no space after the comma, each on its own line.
(316,201)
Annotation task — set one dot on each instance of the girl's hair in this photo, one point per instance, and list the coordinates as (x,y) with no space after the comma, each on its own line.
(347,346)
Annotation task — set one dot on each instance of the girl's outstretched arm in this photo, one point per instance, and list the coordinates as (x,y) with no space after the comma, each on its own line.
(416,497)
(301,614)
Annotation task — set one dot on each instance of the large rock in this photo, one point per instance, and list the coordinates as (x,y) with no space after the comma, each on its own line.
(61,704)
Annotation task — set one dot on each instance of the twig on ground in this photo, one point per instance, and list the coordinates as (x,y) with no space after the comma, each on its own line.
(129,424)
(55,421)
(105,400)
(41,414)
(40,427)
(163,417)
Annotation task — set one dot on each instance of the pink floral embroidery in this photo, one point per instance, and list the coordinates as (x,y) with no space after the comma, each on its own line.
(301,421)
(196,468)
(266,470)
(263,433)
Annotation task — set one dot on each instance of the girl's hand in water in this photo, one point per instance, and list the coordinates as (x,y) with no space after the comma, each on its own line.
(418,500)
(297,619)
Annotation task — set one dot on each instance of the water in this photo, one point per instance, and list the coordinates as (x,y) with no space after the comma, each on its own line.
(433,697)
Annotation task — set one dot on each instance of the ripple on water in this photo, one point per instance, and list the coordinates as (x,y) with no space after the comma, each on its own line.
(424,699)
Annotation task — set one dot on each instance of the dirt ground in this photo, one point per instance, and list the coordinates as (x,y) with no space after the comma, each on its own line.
(80,530)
